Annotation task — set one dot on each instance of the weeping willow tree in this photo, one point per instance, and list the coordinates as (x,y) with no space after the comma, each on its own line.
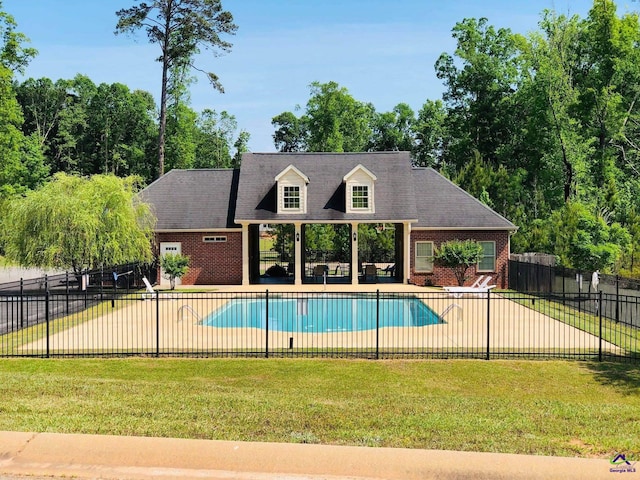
(79,223)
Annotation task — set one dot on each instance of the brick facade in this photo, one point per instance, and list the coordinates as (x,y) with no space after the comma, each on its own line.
(218,263)
(442,276)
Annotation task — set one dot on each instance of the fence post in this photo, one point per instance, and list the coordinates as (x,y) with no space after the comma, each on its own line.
(377,324)
(21,303)
(600,326)
(46,317)
(488,324)
(617,298)
(66,290)
(266,324)
(157,323)
(115,290)
(86,287)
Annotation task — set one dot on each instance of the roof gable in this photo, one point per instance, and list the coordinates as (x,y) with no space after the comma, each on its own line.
(359,169)
(291,169)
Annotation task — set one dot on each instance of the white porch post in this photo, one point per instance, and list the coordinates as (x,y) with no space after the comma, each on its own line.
(355,273)
(406,252)
(297,253)
(245,254)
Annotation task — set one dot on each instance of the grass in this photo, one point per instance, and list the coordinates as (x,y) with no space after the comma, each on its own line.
(624,336)
(11,343)
(546,408)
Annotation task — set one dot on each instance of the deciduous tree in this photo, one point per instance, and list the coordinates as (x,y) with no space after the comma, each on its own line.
(79,223)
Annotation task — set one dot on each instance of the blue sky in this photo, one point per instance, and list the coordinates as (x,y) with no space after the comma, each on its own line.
(382,51)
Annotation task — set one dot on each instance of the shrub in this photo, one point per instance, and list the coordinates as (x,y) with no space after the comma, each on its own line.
(459,255)
(174,266)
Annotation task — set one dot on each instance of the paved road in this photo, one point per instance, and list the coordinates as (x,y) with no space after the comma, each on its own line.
(48,455)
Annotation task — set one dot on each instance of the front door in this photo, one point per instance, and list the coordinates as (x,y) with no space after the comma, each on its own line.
(169,247)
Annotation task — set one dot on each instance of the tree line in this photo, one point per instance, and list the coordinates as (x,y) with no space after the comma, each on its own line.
(75,126)
(544,127)
(82,128)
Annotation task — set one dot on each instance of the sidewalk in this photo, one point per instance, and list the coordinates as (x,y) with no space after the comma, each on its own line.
(137,458)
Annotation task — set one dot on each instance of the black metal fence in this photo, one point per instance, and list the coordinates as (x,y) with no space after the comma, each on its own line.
(558,281)
(427,324)
(25,302)
(128,277)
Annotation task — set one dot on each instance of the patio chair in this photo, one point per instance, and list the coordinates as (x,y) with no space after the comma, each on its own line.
(371,271)
(150,293)
(482,287)
(338,271)
(390,269)
(319,271)
(480,279)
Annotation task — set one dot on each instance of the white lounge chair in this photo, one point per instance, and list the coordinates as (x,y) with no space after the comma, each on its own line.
(150,293)
(480,280)
(477,288)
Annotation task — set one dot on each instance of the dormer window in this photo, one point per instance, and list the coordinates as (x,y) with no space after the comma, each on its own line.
(360,197)
(360,183)
(291,198)
(292,190)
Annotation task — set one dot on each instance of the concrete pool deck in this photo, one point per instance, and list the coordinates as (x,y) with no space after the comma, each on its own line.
(136,458)
(513,327)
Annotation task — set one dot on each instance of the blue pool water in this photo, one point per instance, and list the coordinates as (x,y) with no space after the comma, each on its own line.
(322,314)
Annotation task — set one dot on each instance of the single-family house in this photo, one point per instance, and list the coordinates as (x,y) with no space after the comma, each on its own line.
(215,215)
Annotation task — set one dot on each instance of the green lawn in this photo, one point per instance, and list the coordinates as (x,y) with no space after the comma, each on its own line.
(551,408)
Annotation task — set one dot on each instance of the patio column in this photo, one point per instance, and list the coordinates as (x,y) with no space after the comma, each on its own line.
(355,272)
(406,257)
(245,254)
(297,254)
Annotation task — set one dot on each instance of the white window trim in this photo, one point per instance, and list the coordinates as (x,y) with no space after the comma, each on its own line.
(415,256)
(370,195)
(214,239)
(286,197)
(494,257)
(299,180)
(351,181)
(353,186)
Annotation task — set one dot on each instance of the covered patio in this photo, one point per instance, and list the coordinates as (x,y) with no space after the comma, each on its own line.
(357,263)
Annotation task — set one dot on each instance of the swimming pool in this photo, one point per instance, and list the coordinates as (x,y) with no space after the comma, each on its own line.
(322,314)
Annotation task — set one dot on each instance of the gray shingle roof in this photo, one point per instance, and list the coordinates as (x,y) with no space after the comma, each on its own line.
(194,199)
(394,196)
(212,198)
(442,204)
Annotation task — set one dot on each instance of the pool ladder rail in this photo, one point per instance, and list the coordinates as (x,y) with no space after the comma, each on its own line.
(189,309)
(450,308)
